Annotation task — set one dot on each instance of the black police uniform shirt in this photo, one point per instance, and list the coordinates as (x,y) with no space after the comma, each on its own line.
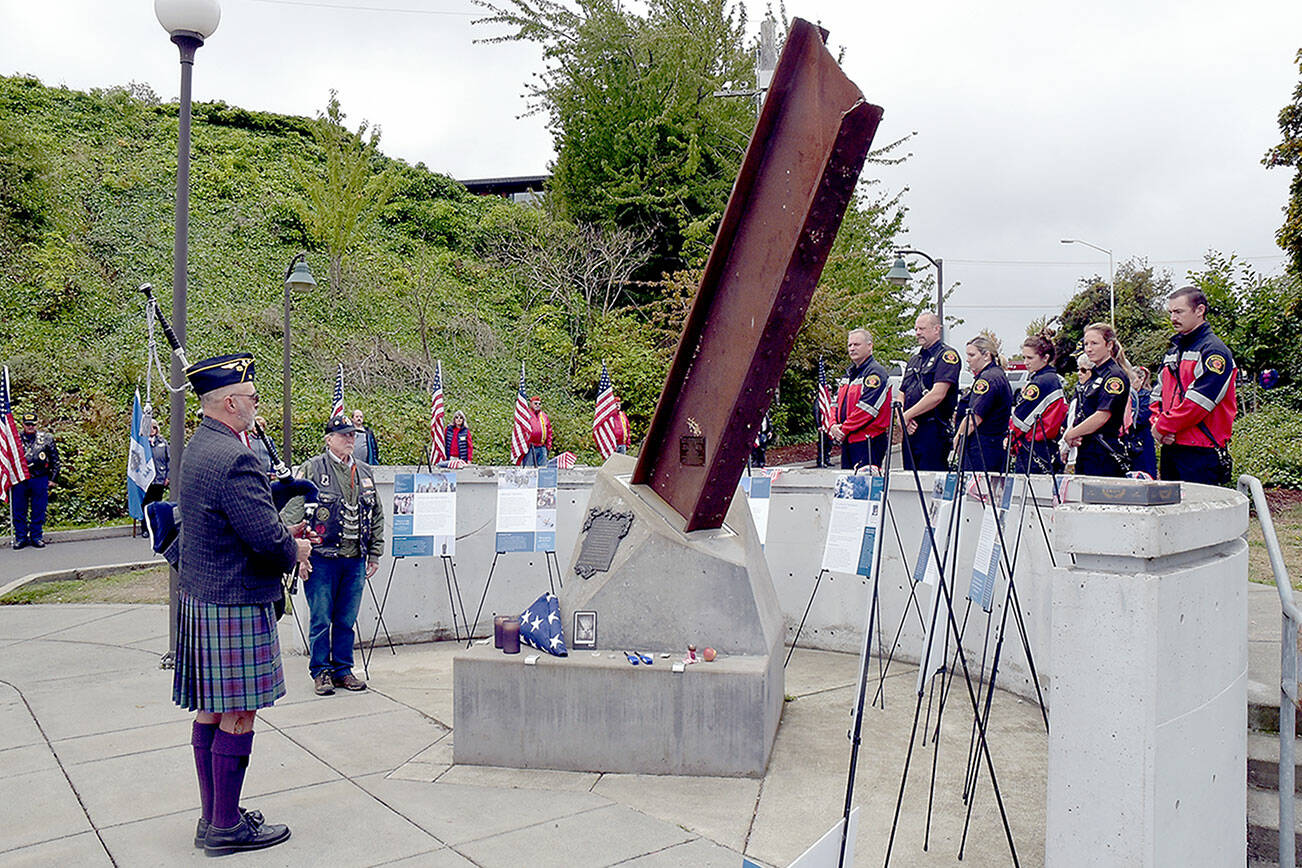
(1108,389)
(930,365)
(991,398)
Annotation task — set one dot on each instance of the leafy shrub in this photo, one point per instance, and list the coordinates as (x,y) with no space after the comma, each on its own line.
(1268,445)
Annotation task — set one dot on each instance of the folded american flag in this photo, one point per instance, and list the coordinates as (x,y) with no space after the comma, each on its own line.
(540,626)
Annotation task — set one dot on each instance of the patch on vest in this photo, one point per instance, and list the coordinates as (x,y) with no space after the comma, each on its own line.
(1216,363)
(1030,392)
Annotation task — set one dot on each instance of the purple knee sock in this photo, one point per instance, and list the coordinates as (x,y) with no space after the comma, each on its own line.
(230,757)
(201,739)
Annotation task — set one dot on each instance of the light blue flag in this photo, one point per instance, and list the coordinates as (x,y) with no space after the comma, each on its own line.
(140,462)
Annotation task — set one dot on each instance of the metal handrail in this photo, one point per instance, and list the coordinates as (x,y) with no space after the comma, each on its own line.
(1291,623)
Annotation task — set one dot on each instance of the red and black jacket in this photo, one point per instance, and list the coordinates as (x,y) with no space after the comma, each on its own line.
(1040,409)
(863,401)
(1197,390)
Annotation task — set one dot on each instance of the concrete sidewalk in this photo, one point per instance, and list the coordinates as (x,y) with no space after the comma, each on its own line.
(96,768)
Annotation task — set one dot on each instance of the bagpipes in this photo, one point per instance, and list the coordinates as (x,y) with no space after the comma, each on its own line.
(163,518)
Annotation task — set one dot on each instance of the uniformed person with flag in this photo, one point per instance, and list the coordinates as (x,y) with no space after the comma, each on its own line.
(1195,418)
(31,497)
(930,387)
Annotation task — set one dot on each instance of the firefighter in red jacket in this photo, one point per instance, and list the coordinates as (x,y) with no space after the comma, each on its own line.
(863,406)
(1196,416)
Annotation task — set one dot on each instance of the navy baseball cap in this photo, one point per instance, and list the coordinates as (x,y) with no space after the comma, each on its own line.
(340,425)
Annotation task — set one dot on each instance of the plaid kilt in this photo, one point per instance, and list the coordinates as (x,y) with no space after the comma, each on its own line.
(227,657)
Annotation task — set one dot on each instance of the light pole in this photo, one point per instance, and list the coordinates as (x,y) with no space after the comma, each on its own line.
(1112,279)
(899,275)
(297,276)
(189,22)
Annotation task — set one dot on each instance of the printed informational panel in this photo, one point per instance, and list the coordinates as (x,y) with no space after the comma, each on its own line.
(526,509)
(985,566)
(758,490)
(424,514)
(941,511)
(852,528)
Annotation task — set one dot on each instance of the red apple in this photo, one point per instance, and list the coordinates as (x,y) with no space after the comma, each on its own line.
(709,654)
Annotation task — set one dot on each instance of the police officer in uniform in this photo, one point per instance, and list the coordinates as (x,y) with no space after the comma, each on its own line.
(1196,416)
(862,407)
(1101,407)
(32,496)
(349,520)
(930,387)
(984,411)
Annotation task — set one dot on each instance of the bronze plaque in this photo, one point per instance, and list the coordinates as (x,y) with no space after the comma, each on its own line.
(602,532)
(691,451)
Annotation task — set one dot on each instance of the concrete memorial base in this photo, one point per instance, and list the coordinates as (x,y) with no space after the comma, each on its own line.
(593,710)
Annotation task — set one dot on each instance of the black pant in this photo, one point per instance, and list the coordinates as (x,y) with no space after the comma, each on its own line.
(984,454)
(929,444)
(1041,456)
(1192,464)
(866,452)
(1094,459)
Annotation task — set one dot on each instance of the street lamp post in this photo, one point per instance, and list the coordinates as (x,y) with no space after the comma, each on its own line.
(297,276)
(1112,278)
(899,275)
(189,22)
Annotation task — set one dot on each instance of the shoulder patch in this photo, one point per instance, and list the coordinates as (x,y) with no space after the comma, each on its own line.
(1216,363)
(980,387)
(1030,392)
(873,381)
(1114,386)
(949,357)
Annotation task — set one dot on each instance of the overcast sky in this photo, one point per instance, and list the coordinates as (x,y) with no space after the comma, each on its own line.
(1136,126)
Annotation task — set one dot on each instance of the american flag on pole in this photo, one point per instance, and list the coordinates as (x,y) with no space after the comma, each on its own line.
(439,452)
(825,416)
(605,416)
(13,458)
(337,409)
(522,424)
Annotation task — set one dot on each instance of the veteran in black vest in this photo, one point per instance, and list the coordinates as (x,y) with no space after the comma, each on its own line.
(349,522)
(234,550)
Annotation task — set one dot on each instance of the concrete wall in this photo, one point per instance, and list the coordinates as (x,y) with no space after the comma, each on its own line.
(1148,742)
(417,607)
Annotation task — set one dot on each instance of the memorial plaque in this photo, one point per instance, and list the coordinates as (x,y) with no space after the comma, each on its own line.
(691,450)
(602,532)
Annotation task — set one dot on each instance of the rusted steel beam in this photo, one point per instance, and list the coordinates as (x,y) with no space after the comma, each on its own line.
(799,172)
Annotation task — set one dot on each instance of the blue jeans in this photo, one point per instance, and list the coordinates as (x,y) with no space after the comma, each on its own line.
(334,593)
(535,457)
(31,496)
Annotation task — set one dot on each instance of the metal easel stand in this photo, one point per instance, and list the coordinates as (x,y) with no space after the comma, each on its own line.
(450,579)
(379,616)
(549,557)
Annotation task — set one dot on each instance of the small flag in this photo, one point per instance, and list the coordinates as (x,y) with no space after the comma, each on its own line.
(540,626)
(605,416)
(337,409)
(565,460)
(13,457)
(437,430)
(140,461)
(522,424)
(825,416)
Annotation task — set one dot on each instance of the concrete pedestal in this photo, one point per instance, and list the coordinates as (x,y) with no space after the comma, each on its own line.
(1148,725)
(665,589)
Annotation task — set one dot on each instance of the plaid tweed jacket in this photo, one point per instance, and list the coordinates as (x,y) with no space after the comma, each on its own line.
(234,547)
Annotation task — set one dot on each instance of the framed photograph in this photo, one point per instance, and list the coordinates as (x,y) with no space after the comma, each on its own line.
(585,630)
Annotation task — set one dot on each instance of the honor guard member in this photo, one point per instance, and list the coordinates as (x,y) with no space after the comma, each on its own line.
(349,520)
(1196,416)
(31,497)
(863,406)
(234,551)
(984,411)
(930,388)
(1038,412)
(1101,407)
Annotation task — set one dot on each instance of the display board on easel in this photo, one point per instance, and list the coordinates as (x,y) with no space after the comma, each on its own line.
(526,509)
(424,514)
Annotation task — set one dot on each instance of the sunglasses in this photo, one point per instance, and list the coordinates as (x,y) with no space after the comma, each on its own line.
(254,395)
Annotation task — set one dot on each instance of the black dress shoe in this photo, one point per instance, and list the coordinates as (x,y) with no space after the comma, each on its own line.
(243,836)
(201,830)
(21,544)
(38,543)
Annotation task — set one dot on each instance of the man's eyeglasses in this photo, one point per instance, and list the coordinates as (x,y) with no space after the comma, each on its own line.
(254,395)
